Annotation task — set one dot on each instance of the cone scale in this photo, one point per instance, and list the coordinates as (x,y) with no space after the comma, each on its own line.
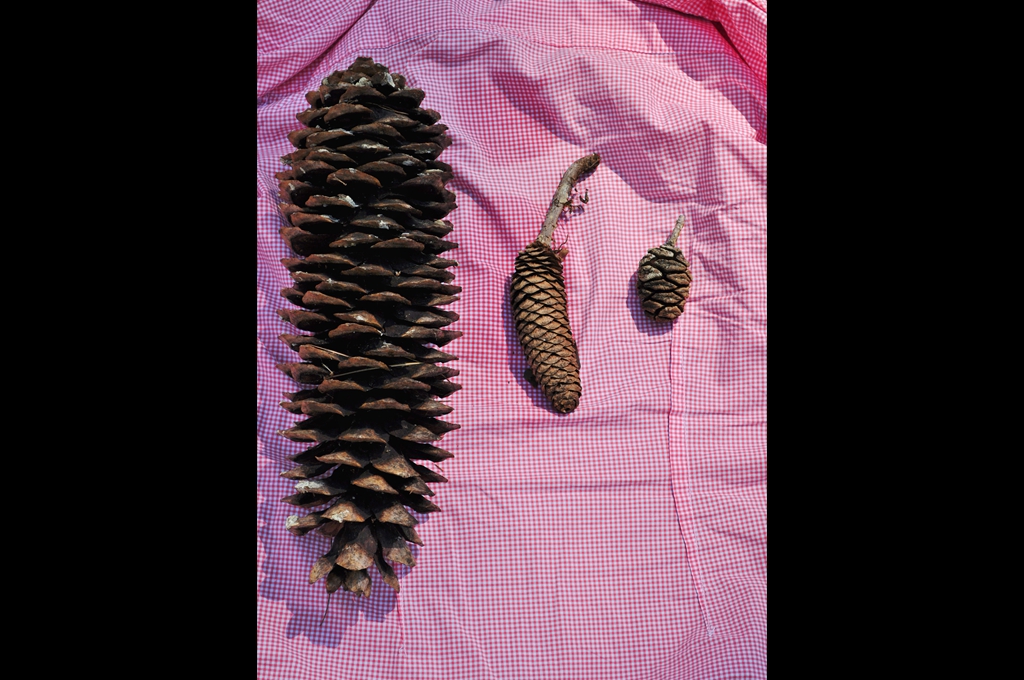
(364,200)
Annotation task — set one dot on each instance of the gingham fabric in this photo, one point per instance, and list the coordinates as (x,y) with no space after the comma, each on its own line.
(625,540)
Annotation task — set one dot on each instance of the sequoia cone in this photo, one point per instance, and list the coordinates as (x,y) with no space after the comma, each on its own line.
(364,200)
(540,307)
(663,279)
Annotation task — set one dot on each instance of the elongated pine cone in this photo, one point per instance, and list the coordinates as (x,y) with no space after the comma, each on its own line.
(663,279)
(540,306)
(364,200)
(542,324)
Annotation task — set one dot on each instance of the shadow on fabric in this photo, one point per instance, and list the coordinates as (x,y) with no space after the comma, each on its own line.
(288,581)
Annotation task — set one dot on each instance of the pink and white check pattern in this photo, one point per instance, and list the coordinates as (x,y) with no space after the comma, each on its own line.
(625,540)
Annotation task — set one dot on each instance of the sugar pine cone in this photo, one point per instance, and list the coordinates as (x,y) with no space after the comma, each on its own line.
(364,200)
(540,306)
(663,279)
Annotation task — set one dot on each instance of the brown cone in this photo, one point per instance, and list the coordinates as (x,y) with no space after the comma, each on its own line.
(363,199)
(663,279)
(542,324)
(540,307)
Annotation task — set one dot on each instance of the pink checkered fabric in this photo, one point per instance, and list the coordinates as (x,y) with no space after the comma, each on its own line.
(628,538)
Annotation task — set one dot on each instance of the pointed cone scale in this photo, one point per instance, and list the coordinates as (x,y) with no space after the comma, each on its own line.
(364,434)
(305,499)
(373,481)
(395,513)
(387,350)
(376,223)
(419,504)
(355,240)
(410,534)
(360,316)
(329,386)
(310,471)
(318,486)
(415,485)
(358,582)
(331,202)
(330,529)
(312,408)
(324,564)
(414,433)
(423,452)
(347,457)
(385,404)
(386,572)
(377,130)
(351,178)
(405,161)
(343,510)
(321,568)
(400,384)
(400,243)
(432,407)
(347,112)
(360,544)
(429,475)
(349,331)
(331,156)
(335,579)
(393,463)
(342,289)
(300,525)
(393,546)
(314,299)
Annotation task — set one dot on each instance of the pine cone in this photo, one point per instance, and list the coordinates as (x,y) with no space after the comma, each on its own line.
(540,307)
(663,279)
(542,324)
(363,199)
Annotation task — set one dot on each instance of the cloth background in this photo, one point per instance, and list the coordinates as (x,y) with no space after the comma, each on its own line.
(627,539)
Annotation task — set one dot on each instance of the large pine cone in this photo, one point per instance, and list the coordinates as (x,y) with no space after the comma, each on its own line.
(363,198)
(663,279)
(542,324)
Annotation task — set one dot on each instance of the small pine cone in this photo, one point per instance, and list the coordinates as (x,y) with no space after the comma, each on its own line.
(663,279)
(540,307)
(364,200)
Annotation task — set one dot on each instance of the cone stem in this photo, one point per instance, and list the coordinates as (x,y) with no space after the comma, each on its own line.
(675,232)
(561,197)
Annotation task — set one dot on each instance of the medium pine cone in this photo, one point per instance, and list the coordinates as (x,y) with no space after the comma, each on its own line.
(663,279)
(363,199)
(540,307)
(542,324)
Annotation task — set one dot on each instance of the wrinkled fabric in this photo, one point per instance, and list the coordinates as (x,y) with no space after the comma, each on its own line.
(626,539)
